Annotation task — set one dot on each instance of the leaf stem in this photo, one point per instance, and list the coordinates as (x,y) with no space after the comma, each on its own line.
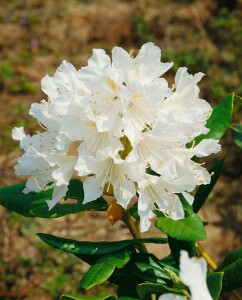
(133,228)
(205,255)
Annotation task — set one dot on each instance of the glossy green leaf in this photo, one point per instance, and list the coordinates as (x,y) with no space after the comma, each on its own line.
(34,204)
(141,267)
(145,290)
(237,134)
(93,248)
(75,191)
(187,229)
(125,281)
(214,282)
(146,272)
(13,198)
(104,297)
(232,278)
(219,120)
(231,258)
(232,266)
(204,190)
(146,267)
(177,245)
(169,262)
(60,210)
(103,268)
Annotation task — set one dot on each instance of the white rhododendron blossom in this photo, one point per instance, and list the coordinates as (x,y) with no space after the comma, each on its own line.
(124,123)
(193,273)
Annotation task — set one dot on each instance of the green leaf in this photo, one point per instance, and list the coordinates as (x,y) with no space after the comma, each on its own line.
(169,262)
(75,191)
(103,268)
(125,281)
(13,198)
(219,119)
(146,267)
(214,282)
(141,267)
(204,190)
(188,229)
(231,258)
(232,278)
(146,289)
(104,297)
(237,134)
(60,210)
(93,248)
(34,204)
(176,246)
(232,266)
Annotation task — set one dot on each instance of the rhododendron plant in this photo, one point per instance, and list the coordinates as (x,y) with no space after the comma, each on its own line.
(117,128)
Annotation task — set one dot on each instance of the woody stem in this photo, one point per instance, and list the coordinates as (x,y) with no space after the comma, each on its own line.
(133,228)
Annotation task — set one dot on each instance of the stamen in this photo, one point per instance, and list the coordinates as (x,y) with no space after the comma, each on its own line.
(41,125)
(36,182)
(45,187)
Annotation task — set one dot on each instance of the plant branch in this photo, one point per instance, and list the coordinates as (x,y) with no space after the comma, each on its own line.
(133,228)
(205,255)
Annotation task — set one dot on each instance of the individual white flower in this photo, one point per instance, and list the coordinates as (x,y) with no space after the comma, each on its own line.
(103,104)
(126,93)
(107,172)
(153,195)
(140,109)
(152,147)
(187,109)
(91,140)
(64,89)
(64,92)
(47,167)
(141,75)
(184,174)
(145,69)
(193,273)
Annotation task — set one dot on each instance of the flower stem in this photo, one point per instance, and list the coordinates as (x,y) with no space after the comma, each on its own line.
(205,255)
(133,228)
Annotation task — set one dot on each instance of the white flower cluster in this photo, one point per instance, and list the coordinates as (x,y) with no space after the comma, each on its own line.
(193,272)
(125,120)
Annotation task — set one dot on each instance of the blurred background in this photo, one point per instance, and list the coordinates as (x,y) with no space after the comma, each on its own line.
(35,36)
